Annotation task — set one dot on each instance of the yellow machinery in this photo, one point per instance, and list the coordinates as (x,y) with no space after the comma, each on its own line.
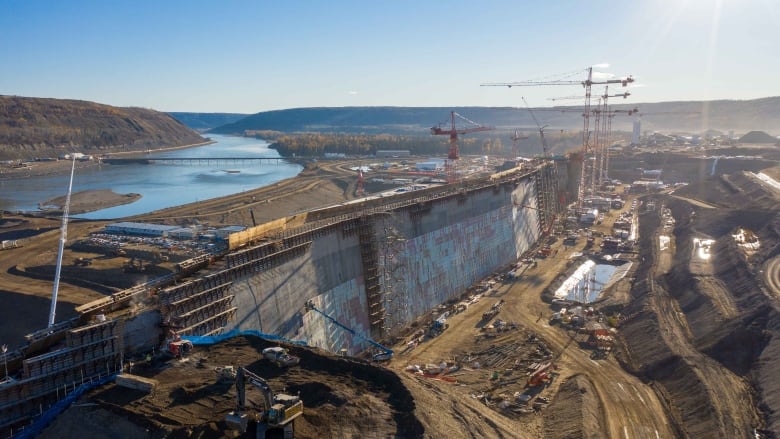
(279,413)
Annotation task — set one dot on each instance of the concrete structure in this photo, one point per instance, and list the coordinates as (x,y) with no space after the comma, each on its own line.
(430,165)
(144,229)
(226,231)
(390,153)
(374,266)
(637,129)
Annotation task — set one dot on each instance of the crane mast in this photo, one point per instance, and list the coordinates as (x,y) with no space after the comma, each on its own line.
(548,180)
(61,248)
(588,156)
(516,138)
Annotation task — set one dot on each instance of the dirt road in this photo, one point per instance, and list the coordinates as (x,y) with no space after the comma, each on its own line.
(629,408)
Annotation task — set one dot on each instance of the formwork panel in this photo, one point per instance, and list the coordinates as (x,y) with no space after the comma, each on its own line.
(272,300)
(452,251)
(347,304)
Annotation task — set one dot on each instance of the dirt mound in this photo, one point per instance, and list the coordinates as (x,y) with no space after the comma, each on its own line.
(700,319)
(342,397)
(576,411)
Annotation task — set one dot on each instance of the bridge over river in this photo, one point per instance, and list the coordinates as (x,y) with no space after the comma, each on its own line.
(203,160)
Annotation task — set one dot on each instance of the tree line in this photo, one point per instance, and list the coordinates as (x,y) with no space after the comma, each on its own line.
(319,144)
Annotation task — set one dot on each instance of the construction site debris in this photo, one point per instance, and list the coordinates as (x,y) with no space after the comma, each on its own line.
(135,382)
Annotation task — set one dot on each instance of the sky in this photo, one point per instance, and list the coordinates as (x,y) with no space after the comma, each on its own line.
(247,56)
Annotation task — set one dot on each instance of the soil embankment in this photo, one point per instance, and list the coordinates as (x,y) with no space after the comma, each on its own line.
(342,397)
(700,319)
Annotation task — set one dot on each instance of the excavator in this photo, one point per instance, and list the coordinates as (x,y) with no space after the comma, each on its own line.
(277,418)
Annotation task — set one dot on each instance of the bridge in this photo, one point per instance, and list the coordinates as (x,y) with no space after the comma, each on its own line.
(203,160)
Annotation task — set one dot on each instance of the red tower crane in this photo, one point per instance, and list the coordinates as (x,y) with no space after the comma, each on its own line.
(453,155)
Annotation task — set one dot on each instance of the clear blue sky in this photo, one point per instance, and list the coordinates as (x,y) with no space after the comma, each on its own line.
(250,56)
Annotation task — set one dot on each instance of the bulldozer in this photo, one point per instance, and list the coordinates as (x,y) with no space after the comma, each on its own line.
(278,416)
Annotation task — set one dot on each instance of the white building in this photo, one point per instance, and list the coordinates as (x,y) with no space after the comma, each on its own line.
(143,229)
(635,133)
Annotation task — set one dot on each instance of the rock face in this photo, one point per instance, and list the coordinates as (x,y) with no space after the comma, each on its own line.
(41,127)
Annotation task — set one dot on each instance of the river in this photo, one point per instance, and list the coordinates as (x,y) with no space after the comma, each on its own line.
(160,185)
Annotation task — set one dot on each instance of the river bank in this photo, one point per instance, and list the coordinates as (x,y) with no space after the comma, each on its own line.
(62,167)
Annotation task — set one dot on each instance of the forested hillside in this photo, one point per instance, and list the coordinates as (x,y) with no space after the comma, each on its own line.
(41,127)
(692,117)
(318,144)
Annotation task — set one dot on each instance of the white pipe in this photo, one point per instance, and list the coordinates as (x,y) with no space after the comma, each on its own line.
(63,238)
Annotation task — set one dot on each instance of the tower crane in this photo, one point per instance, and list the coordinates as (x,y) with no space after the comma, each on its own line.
(587,147)
(516,137)
(603,125)
(549,180)
(564,98)
(61,248)
(453,155)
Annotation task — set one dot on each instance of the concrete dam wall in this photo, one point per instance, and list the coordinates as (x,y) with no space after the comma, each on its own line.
(375,266)
(380,271)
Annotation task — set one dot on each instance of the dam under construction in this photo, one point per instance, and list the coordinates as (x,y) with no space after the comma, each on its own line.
(375,265)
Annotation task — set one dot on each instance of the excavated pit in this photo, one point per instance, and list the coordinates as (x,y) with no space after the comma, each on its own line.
(705,330)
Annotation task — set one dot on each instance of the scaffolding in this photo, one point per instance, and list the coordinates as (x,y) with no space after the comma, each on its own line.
(394,271)
(371,276)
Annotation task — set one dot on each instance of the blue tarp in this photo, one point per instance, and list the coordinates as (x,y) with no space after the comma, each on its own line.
(212,339)
(49,415)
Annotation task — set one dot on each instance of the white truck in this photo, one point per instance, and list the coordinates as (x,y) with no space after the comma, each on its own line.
(280,356)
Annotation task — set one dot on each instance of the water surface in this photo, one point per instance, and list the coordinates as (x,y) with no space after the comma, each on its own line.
(160,185)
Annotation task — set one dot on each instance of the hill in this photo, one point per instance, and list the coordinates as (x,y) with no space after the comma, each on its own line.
(206,121)
(758,137)
(690,116)
(43,127)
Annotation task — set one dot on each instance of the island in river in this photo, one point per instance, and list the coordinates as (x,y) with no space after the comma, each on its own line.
(88,201)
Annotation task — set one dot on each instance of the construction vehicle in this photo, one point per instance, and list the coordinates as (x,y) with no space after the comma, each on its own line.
(438,326)
(542,374)
(493,311)
(278,415)
(280,356)
(225,373)
(385,353)
(176,346)
(84,262)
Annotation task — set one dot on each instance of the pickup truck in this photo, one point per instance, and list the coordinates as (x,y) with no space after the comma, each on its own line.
(280,356)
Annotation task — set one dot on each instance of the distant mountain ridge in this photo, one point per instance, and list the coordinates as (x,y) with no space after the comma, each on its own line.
(684,116)
(45,127)
(206,121)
